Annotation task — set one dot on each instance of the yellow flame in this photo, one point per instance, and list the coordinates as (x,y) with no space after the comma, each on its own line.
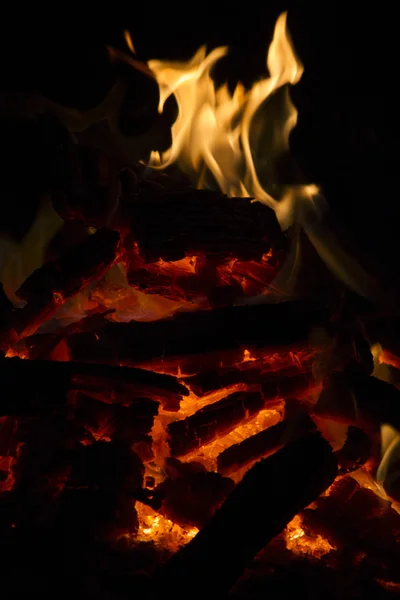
(235,140)
(216,131)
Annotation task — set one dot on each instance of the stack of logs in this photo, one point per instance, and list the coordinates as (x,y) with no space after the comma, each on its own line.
(79,406)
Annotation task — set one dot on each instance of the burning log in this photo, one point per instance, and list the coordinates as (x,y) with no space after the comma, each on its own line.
(198,242)
(6,319)
(358,399)
(355,452)
(172,225)
(221,280)
(213,421)
(40,387)
(191,494)
(219,418)
(281,364)
(53,283)
(52,346)
(188,335)
(263,444)
(222,550)
(129,424)
(358,522)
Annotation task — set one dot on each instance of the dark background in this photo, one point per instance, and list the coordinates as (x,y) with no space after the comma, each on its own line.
(346,139)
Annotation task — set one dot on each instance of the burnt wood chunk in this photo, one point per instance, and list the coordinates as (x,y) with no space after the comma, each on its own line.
(190,495)
(34,388)
(355,452)
(262,444)
(173,224)
(52,284)
(271,367)
(258,509)
(358,399)
(230,329)
(213,421)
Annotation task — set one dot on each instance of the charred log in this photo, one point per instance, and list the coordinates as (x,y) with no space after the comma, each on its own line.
(53,283)
(172,225)
(228,329)
(358,399)
(357,521)
(221,280)
(213,421)
(221,551)
(262,444)
(191,495)
(355,452)
(275,365)
(41,387)
(129,424)
(6,320)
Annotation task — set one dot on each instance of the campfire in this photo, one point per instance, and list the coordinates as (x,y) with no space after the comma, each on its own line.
(199,382)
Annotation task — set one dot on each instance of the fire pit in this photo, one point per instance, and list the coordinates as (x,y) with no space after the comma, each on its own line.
(187,406)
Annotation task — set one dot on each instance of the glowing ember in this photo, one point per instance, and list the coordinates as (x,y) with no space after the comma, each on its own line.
(300,543)
(155,528)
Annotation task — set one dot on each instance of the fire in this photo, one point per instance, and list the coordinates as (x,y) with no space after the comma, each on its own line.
(216,132)
(300,543)
(154,527)
(224,139)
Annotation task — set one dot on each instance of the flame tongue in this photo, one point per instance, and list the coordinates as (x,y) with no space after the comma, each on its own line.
(213,129)
(230,140)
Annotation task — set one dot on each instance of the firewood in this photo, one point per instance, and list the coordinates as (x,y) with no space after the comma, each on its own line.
(262,444)
(267,498)
(130,424)
(355,451)
(191,495)
(52,284)
(359,522)
(41,387)
(198,335)
(219,418)
(358,399)
(213,421)
(6,319)
(51,346)
(221,280)
(172,225)
(282,364)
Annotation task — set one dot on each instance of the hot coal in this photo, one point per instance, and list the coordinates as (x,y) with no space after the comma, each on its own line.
(225,546)
(263,444)
(212,421)
(190,495)
(53,283)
